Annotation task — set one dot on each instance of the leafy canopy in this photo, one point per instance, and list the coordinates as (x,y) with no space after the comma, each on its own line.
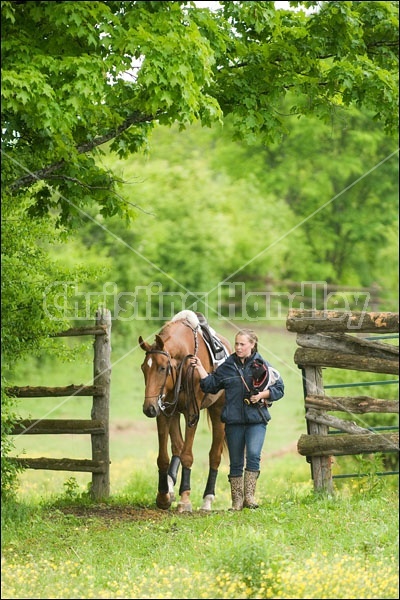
(79,74)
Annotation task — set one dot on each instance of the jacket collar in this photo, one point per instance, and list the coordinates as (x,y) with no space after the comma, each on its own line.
(246,360)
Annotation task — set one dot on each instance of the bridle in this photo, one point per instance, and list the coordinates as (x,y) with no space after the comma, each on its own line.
(179,384)
(168,371)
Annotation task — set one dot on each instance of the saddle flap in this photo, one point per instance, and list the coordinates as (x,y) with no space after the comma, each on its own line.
(214,344)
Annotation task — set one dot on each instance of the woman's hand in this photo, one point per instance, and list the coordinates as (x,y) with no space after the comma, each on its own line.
(195,361)
(260,397)
(255,398)
(197,364)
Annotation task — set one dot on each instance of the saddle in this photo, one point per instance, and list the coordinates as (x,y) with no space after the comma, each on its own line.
(214,343)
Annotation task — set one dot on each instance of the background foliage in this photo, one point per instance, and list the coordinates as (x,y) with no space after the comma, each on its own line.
(309,97)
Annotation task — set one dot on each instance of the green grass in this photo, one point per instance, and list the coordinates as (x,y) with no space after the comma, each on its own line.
(298,544)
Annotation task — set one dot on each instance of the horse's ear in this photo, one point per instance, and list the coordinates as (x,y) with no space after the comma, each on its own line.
(144,345)
(159,342)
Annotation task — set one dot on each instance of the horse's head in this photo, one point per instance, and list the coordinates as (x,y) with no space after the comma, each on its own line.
(159,375)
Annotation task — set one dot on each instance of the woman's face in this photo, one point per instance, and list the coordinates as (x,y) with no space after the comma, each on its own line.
(243,346)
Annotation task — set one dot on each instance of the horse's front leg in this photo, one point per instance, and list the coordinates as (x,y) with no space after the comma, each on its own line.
(185,505)
(163,499)
(176,449)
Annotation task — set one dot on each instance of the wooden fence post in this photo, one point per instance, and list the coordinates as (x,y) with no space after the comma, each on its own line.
(101,404)
(320,465)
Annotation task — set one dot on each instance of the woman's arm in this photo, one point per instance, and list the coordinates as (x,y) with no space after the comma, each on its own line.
(210,383)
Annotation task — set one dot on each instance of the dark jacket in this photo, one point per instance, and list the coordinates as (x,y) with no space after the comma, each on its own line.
(228,377)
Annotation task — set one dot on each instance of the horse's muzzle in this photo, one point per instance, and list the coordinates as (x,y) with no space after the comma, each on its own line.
(150,411)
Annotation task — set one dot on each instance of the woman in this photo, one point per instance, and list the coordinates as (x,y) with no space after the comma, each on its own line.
(245,413)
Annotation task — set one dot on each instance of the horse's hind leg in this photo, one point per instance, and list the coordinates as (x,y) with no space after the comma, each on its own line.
(217,445)
(209,492)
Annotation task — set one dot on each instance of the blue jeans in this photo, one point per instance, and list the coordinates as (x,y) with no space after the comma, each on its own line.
(245,441)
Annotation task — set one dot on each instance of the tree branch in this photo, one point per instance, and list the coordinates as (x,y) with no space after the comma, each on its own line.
(98,187)
(135,118)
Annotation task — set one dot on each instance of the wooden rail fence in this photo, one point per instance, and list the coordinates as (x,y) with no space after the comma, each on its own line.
(97,426)
(325,342)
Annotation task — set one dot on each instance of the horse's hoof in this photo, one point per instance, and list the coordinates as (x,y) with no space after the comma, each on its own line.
(163,502)
(207,502)
(184,507)
(171,489)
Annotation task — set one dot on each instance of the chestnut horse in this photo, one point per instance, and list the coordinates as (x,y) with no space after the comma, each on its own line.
(172,388)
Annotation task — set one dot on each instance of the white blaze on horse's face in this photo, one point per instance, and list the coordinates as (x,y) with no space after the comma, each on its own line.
(149,362)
